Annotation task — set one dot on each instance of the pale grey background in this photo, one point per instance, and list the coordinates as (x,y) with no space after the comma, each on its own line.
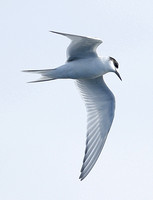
(43,126)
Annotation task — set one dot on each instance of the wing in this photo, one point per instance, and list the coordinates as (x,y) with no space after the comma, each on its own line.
(100,105)
(80,46)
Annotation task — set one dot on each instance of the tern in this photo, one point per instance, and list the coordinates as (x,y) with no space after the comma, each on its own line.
(87,68)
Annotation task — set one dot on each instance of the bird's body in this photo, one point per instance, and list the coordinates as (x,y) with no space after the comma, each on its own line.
(86,68)
(84,65)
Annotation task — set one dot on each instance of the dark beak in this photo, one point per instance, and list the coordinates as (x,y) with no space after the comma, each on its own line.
(117,73)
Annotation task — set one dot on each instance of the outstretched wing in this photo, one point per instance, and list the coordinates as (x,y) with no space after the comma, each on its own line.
(80,46)
(100,105)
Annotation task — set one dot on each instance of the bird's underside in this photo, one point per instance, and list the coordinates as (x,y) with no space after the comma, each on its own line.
(99,100)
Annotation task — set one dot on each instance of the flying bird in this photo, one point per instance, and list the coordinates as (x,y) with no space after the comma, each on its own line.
(87,68)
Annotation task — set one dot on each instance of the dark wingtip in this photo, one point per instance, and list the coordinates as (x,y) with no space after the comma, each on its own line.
(54,32)
(80,177)
(33,81)
(30,70)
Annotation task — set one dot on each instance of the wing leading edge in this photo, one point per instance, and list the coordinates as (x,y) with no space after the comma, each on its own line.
(80,46)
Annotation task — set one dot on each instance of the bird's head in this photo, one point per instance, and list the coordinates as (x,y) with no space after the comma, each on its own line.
(113,64)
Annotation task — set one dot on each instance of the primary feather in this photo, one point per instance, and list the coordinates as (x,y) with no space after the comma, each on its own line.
(100,105)
(80,46)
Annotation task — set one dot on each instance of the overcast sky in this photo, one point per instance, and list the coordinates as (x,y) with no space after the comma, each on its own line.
(43,126)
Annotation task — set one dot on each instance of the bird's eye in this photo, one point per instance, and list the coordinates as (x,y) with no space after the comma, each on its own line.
(114,62)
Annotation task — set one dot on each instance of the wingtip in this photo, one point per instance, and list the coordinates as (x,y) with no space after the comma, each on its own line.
(32,81)
(55,32)
(81,177)
(30,70)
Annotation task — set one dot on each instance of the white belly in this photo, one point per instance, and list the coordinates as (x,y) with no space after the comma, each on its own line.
(82,69)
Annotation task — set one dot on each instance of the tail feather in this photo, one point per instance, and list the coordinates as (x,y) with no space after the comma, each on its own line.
(41,80)
(47,75)
(41,71)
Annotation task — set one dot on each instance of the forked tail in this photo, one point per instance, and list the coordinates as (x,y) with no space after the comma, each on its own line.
(46,75)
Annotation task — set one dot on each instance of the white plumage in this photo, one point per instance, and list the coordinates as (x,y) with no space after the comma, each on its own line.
(84,65)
